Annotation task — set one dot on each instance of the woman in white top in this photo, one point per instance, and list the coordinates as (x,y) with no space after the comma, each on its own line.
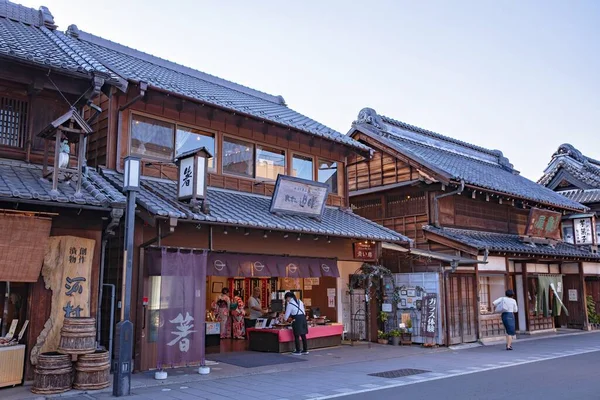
(295,310)
(508,307)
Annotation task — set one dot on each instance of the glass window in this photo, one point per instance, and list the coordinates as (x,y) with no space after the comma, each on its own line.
(598,233)
(567,232)
(269,162)
(238,157)
(152,138)
(490,289)
(328,174)
(189,139)
(302,167)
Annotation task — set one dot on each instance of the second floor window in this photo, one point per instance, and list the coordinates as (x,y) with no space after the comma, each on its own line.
(188,139)
(269,162)
(238,157)
(328,174)
(302,167)
(13,122)
(151,138)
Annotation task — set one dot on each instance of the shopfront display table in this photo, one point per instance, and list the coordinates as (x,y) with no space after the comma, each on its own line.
(282,340)
(11,365)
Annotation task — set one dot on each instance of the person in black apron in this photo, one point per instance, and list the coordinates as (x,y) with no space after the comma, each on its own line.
(295,310)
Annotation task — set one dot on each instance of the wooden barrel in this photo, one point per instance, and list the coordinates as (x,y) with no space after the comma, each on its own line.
(92,371)
(52,374)
(78,336)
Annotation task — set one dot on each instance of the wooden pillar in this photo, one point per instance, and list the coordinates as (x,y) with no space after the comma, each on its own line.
(477,302)
(583,298)
(55,172)
(526,289)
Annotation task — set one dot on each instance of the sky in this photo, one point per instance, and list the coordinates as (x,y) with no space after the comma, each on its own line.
(518,76)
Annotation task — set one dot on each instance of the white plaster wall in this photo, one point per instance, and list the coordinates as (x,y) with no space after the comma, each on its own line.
(570,268)
(493,264)
(591,268)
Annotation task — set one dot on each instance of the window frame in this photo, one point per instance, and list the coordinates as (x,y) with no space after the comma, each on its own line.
(291,168)
(337,169)
(253,144)
(208,132)
(203,132)
(24,123)
(268,146)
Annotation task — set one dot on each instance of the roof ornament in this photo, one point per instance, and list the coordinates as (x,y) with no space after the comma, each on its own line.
(569,150)
(503,161)
(73,31)
(369,116)
(46,18)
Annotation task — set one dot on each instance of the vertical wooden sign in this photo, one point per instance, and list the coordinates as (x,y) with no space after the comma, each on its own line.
(67,272)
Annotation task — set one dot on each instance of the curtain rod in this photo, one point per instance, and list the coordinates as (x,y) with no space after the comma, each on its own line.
(235,252)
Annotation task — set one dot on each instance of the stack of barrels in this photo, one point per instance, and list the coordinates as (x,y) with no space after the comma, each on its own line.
(56,372)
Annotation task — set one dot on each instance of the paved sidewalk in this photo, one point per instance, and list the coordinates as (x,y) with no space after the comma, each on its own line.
(333,372)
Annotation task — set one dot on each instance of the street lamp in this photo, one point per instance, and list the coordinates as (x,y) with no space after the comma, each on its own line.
(124,333)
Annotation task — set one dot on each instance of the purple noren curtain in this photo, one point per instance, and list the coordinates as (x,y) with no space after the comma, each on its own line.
(182,307)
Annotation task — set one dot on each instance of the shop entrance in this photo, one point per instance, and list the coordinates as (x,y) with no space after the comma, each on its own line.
(462,320)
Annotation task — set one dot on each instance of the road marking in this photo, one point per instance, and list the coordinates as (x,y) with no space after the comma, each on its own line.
(453,373)
(456,371)
(370,385)
(315,395)
(343,390)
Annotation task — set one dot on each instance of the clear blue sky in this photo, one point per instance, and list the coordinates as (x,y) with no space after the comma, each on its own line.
(519,76)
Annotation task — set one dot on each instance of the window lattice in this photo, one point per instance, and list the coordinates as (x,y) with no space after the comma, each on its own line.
(13,122)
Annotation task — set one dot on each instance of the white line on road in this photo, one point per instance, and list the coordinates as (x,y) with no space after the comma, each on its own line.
(451,375)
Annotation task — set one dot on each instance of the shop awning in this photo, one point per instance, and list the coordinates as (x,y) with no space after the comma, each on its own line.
(23,241)
(449,258)
(259,265)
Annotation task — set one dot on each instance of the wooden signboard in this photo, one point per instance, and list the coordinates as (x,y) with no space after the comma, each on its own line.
(544,224)
(429,316)
(67,272)
(299,197)
(365,251)
(584,232)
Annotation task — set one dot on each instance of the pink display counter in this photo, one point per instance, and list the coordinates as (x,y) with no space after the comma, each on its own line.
(282,340)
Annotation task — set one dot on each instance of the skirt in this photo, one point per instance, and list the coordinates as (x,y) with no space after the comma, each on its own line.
(300,326)
(508,319)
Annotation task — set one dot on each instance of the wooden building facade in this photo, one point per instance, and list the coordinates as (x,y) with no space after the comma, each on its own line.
(472,218)
(54,220)
(577,177)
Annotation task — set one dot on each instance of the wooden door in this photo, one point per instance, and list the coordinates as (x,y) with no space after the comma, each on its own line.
(462,318)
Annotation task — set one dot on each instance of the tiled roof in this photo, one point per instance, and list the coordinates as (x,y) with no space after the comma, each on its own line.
(227,207)
(503,242)
(583,196)
(135,65)
(19,180)
(456,160)
(29,35)
(584,169)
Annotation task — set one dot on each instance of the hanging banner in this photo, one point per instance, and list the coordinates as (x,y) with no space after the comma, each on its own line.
(182,307)
(67,272)
(429,316)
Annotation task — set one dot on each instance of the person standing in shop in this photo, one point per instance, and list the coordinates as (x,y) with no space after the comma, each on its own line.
(237,314)
(508,307)
(295,311)
(256,310)
(221,307)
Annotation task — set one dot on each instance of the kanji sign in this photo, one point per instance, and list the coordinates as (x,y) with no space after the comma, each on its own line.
(543,224)
(365,251)
(429,316)
(299,197)
(584,233)
(192,174)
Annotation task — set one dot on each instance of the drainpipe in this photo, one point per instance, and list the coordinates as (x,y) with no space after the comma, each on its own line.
(143,88)
(436,210)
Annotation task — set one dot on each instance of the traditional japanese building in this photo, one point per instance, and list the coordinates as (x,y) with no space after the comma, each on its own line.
(55,211)
(475,221)
(577,177)
(273,211)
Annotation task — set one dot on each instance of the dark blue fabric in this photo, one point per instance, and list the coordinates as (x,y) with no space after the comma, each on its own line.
(508,319)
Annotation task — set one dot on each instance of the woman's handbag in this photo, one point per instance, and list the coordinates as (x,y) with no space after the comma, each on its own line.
(501,306)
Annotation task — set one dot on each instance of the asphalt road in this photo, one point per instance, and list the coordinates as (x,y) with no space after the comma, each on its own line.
(573,377)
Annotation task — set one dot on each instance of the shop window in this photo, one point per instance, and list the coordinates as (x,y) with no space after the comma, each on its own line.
(302,167)
(238,157)
(187,139)
(567,232)
(151,138)
(490,288)
(328,173)
(269,162)
(13,122)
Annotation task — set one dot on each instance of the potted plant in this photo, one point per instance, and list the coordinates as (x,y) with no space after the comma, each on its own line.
(395,335)
(409,327)
(382,337)
(405,337)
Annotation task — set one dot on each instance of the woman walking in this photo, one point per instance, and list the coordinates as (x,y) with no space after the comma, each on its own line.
(221,307)
(508,307)
(237,314)
(295,310)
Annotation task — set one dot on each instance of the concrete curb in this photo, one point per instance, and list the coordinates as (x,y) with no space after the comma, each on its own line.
(501,341)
